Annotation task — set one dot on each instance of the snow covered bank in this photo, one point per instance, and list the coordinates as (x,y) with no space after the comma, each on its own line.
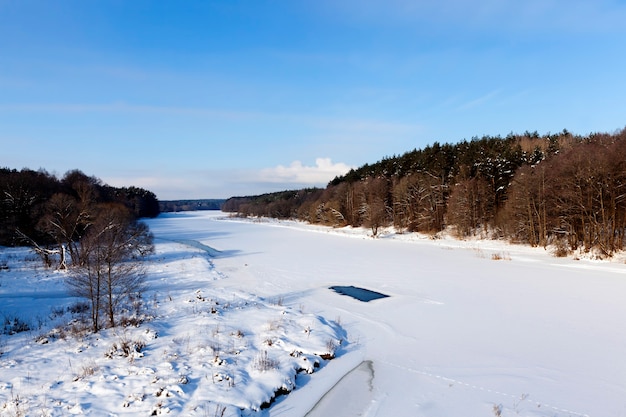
(205,350)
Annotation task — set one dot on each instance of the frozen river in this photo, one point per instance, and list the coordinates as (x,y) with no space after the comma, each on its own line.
(461,334)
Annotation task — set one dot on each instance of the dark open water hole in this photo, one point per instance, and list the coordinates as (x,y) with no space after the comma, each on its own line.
(360,294)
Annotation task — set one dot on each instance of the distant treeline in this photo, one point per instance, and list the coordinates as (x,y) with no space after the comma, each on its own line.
(560,189)
(44,209)
(190,205)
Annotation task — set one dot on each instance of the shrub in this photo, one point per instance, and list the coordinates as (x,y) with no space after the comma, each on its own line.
(13,325)
(79,308)
(126,348)
(87,370)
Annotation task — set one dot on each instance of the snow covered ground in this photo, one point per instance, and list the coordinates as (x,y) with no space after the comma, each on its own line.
(470,328)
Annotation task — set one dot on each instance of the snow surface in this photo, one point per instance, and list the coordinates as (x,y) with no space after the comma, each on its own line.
(470,328)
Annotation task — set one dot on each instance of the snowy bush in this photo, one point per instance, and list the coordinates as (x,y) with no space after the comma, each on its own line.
(126,348)
(13,325)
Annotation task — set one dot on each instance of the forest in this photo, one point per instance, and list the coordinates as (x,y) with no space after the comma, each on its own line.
(562,190)
(37,207)
(169,206)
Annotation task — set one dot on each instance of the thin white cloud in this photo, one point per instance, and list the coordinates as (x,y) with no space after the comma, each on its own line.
(571,16)
(193,184)
(323,171)
(480,100)
(363,125)
(122,107)
(342,124)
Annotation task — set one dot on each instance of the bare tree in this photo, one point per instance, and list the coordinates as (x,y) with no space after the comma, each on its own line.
(470,205)
(373,206)
(109,271)
(419,202)
(527,205)
(86,281)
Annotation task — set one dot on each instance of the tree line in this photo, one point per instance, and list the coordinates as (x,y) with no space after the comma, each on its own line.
(30,200)
(79,224)
(190,205)
(555,189)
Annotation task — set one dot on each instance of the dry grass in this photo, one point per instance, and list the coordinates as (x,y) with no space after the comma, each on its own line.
(499,256)
(87,370)
(264,363)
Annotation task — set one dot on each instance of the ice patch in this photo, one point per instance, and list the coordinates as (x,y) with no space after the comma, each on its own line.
(351,396)
(360,294)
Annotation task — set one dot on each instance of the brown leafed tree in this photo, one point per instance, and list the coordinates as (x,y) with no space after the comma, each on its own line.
(419,203)
(373,206)
(471,205)
(528,204)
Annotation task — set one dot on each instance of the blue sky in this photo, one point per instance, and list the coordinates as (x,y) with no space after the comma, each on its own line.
(210,99)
